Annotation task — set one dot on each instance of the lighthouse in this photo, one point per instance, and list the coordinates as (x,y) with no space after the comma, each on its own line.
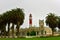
(30,20)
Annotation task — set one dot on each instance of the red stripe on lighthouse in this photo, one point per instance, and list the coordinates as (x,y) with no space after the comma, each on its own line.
(30,21)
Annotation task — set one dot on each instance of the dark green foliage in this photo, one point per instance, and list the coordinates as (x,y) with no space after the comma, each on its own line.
(15,16)
(51,21)
(58,22)
(28,33)
(32,33)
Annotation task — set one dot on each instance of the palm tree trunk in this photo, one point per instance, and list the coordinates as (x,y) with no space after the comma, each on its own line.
(18,26)
(4,31)
(52,32)
(8,29)
(12,30)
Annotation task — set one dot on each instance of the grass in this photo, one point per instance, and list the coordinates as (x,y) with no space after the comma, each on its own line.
(42,38)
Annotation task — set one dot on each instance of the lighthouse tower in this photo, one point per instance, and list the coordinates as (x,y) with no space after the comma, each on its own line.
(30,20)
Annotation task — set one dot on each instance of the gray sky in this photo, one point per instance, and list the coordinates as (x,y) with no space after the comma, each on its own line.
(38,8)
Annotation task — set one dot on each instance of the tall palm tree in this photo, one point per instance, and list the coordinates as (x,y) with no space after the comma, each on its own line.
(15,16)
(10,18)
(8,21)
(18,17)
(58,22)
(5,18)
(3,25)
(51,20)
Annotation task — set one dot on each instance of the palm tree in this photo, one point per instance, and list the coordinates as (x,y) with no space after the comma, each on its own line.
(15,16)
(51,20)
(58,22)
(18,18)
(3,25)
(8,21)
(6,17)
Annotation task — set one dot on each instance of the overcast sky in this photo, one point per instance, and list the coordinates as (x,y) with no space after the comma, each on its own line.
(38,8)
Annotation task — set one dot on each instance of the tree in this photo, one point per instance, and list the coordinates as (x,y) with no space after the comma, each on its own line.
(16,17)
(51,20)
(6,17)
(2,26)
(58,22)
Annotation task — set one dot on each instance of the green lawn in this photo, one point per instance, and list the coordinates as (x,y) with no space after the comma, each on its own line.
(44,38)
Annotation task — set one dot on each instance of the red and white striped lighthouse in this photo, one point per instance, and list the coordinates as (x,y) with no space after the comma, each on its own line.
(30,20)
